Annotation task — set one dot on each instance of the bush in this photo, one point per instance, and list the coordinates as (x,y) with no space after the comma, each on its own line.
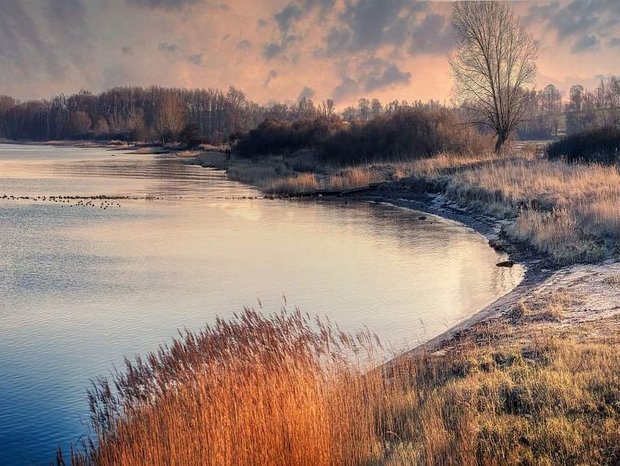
(408,134)
(279,137)
(600,145)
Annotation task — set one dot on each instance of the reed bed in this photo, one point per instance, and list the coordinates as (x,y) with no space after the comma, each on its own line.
(305,183)
(263,390)
(288,390)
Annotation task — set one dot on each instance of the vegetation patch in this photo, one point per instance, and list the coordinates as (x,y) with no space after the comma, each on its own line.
(287,389)
(598,145)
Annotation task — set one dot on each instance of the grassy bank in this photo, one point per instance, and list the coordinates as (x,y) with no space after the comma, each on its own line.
(565,211)
(522,388)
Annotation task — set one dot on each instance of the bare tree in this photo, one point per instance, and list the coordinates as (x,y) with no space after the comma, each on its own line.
(170,116)
(493,64)
(326,109)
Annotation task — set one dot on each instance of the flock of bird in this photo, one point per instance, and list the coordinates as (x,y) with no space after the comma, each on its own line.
(101,202)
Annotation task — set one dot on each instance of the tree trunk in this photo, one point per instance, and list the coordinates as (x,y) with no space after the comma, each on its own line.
(501,139)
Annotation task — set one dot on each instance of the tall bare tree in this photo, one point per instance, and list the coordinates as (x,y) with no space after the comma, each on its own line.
(494,62)
(171,116)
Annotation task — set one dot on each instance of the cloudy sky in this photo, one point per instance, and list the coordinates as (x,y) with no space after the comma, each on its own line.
(279,49)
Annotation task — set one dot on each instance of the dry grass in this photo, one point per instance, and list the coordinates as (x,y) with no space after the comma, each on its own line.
(613,280)
(567,211)
(305,183)
(546,401)
(254,390)
(283,390)
(258,173)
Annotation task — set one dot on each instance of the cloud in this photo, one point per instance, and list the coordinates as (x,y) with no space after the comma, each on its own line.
(275,49)
(389,76)
(581,22)
(369,24)
(166,47)
(370,75)
(244,44)
(37,44)
(307,92)
(270,76)
(586,43)
(163,4)
(432,35)
(286,19)
(196,58)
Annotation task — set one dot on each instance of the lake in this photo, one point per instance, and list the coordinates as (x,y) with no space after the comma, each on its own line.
(84,282)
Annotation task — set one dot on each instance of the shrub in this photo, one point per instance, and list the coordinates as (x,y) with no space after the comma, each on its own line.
(600,145)
(280,137)
(407,134)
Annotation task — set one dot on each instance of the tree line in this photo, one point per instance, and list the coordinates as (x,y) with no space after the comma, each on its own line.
(132,114)
(214,116)
(583,110)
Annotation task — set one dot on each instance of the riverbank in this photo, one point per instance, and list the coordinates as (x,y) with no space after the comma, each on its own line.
(554,218)
(532,378)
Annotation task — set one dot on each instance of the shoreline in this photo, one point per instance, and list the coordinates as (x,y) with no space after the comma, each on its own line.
(536,268)
(542,274)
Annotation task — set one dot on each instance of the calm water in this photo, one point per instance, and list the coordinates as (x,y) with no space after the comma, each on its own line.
(80,287)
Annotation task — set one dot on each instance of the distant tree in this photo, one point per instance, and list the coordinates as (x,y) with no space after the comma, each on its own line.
(550,104)
(326,108)
(363,106)
(305,109)
(493,64)
(576,96)
(80,123)
(278,112)
(350,114)
(236,101)
(190,135)
(376,108)
(6,104)
(102,128)
(392,106)
(170,118)
(135,125)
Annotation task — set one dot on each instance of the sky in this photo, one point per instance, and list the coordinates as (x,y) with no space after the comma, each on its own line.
(280,50)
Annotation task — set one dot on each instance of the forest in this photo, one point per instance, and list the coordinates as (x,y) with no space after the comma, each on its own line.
(156,114)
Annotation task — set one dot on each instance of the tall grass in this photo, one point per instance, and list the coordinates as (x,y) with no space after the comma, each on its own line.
(303,183)
(286,390)
(567,211)
(282,389)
